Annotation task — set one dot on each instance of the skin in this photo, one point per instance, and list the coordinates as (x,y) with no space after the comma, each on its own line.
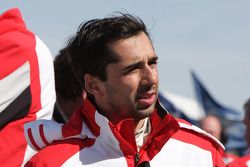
(131,88)
(211,125)
(247,122)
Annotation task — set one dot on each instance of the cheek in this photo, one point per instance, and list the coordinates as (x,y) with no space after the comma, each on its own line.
(131,82)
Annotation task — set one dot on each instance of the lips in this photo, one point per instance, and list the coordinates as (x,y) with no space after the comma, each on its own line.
(146,100)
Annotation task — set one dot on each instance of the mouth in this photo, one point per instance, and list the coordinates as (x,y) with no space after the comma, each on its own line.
(145,100)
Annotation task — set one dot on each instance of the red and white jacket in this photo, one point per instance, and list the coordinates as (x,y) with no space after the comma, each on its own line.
(27,90)
(240,162)
(89,139)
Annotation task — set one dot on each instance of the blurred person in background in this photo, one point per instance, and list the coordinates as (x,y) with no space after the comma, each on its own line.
(245,160)
(69,91)
(212,125)
(70,97)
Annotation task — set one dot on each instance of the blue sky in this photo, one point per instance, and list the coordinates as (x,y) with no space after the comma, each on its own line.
(210,37)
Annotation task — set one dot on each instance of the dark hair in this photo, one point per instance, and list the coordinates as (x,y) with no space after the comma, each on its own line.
(89,47)
(67,85)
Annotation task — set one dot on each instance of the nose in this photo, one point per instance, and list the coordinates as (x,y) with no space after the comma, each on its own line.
(149,75)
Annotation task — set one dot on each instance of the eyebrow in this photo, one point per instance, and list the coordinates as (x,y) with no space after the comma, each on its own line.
(139,64)
(153,59)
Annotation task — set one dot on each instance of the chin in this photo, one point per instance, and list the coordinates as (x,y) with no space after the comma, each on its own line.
(146,112)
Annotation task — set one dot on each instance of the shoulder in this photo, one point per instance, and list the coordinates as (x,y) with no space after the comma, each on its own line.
(194,135)
(58,152)
(240,162)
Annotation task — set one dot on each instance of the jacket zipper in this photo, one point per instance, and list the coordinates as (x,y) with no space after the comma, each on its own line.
(137,158)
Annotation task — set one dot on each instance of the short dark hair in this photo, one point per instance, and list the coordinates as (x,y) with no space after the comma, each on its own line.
(67,84)
(89,46)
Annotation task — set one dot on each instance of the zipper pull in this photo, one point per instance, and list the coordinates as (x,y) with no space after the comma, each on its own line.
(143,164)
(137,157)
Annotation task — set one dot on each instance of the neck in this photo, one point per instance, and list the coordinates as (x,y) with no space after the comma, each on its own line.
(114,119)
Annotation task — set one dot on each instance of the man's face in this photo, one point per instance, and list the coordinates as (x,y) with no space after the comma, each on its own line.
(247,123)
(131,88)
(211,125)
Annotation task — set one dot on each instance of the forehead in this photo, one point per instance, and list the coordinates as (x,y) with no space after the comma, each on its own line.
(133,48)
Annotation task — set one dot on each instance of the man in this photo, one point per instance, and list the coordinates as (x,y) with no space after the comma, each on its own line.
(27,91)
(245,160)
(69,92)
(212,125)
(121,122)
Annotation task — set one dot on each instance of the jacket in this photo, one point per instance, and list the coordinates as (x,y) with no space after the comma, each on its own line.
(27,90)
(240,162)
(89,139)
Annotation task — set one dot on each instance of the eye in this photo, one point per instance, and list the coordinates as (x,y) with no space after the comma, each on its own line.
(133,68)
(131,71)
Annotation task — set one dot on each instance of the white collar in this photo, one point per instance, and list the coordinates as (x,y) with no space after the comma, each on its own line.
(142,133)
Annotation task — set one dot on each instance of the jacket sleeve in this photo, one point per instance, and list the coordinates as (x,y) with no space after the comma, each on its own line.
(26,72)
(27,90)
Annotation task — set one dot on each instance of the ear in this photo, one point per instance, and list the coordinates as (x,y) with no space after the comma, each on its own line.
(92,85)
